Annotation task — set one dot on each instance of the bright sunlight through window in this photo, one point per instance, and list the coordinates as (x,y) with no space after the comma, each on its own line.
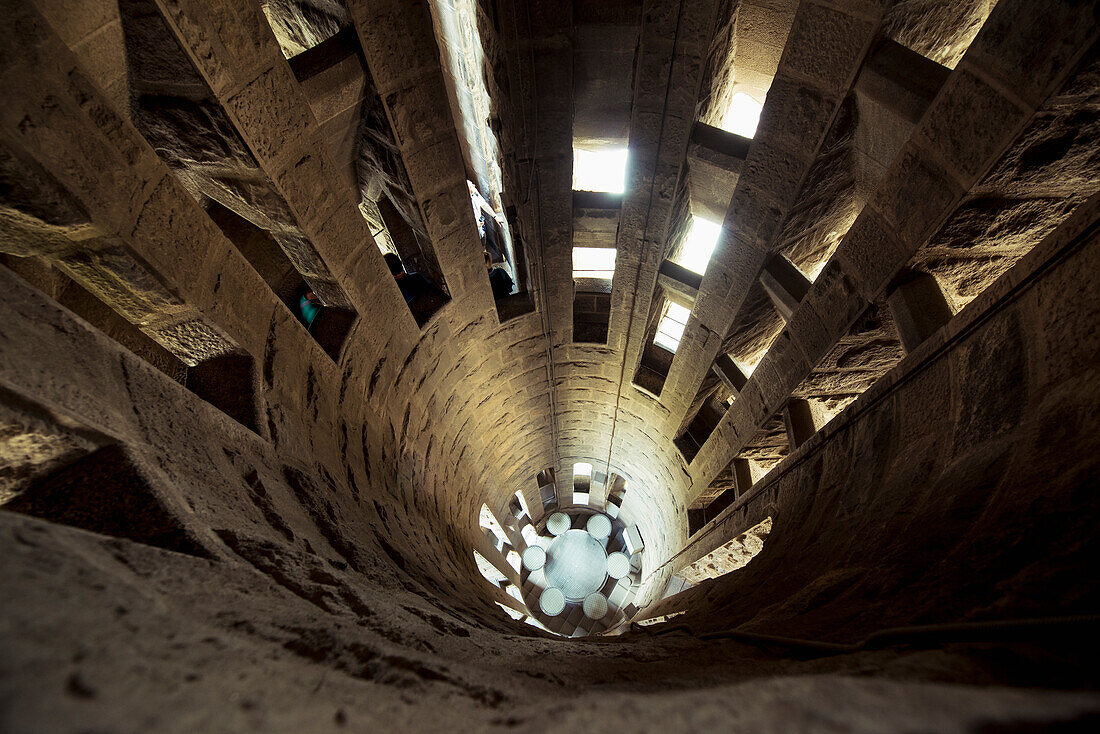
(699,244)
(599,170)
(594,262)
(671,326)
(742,116)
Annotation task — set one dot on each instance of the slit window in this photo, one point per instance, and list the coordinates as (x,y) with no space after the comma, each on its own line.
(582,482)
(488,570)
(742,116)
(699,244)
(670,329)
(488,521)
(522,501)
(593,263)
(599,170)
(511,612)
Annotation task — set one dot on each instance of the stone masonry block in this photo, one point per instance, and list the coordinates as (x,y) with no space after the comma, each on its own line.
(872,252)
(436,167)
(171,217)
(752,214)
(1018,43)
(228,44)
(309,191)
(420,112)
(811,336)
(835,300)
(446,210)
(399,43)
(970,123)
(796,112)
(271,114)
(916,195)
(790,362)
(775,171)
(826,45)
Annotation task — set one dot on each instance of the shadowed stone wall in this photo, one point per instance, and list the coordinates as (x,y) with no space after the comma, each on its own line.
(244,530)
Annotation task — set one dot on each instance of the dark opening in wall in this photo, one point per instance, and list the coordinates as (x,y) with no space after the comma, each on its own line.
(330,329)
(105,492)
(653,367)
(516,304)
(595,221)
(698,430)
(582,483)
(326,54)
(547,491)
(733,482)
(417,257)
(227,381)
(509,304)
(591,314)
(666,322)
(616,493)
(331,324)
(522,301)
(699,517)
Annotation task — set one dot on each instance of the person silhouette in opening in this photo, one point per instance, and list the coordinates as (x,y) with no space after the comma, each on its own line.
(498,278)
(309,307)
(420,292)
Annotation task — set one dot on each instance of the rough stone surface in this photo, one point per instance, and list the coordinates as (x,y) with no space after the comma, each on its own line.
(218,519)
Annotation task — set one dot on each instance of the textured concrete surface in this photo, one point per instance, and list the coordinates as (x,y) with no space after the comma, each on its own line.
(215,519)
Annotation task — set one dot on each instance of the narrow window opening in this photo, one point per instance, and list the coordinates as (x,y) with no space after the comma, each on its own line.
(511,612)
(616,494)
(599,170)
(742,116)
(698,245)
(522,502)
(488,570)
(328,325)
(593,263)
(710,406)
(582,482)
(547,492)
(670,327)
(413,264)
(666,327)
(488,521)
(730,556)
(593,273)
(549,497)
